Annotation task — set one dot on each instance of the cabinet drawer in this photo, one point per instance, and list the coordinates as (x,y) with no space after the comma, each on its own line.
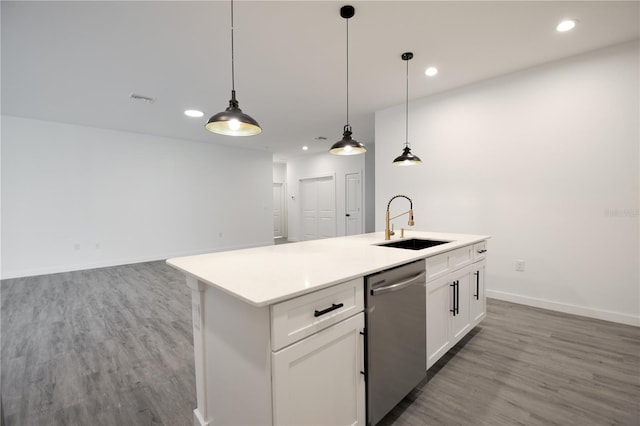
(479,251)
(437,266)
(302,316)
(460,257)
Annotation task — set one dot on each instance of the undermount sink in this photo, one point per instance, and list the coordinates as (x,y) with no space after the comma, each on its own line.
(414,244)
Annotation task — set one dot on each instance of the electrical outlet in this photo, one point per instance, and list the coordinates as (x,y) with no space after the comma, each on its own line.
(519,265)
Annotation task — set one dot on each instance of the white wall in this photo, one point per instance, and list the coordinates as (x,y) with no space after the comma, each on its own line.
(76,197)
(546,161)
(370,189)
(279,172)
(317,165)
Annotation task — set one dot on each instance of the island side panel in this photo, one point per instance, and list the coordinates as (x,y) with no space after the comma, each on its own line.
(197,308)
(237,361)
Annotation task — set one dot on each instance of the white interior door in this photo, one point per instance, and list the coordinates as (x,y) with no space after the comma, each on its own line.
(309,207)
(318,208)
(353,204)
(279,230)
(326,208)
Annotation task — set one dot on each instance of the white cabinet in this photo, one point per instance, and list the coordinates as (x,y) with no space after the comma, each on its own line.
(443,264)
(297,318)
(448,312)
(460,257)
(295,362)
(439,303)
(317,381)
(455,297)
(437,266)
(477,301)
(460,317)
(479,251)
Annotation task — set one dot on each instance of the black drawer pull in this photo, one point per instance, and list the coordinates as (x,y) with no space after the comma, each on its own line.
(333,307)
(457,297)
(477,295)
(453,311)
(482,251)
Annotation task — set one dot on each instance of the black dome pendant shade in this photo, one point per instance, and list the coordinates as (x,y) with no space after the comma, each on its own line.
(348,145)
(407,158)
(232,121)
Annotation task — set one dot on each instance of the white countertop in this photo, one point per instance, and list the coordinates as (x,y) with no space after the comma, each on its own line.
(265,275)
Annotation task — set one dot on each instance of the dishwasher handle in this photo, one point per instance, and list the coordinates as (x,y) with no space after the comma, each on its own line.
(398,286)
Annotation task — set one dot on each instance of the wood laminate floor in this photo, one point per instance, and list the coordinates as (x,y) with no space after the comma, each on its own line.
(109,346)
(113,346)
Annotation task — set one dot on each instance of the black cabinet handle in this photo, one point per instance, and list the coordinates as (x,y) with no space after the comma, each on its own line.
(477,295)
(453,284)
(482,251)
(347,215)
(333,307)
(457,297)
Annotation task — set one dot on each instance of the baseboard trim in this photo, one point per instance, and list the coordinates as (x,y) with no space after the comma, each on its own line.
(565,307)
(198,420)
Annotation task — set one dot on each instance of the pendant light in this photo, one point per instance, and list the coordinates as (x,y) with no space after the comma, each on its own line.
(232,121)
(407,158)
(348,145)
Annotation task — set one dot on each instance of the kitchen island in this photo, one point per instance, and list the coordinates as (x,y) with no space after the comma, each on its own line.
(278,330)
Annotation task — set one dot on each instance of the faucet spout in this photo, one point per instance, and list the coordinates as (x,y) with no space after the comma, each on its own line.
(388,231)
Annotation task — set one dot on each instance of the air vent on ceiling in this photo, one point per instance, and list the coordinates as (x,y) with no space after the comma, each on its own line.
(138,97)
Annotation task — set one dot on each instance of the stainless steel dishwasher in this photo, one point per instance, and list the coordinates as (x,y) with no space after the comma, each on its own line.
(396,353)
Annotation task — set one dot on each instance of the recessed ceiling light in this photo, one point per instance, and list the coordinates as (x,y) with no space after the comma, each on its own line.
(304,148)
(431,71)
(566,25)
(193,113)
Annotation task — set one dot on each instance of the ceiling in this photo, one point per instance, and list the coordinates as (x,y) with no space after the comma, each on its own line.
(79,61)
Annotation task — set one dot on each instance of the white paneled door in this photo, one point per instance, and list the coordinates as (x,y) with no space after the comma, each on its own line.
(318,207)
(278,211)
(353,204)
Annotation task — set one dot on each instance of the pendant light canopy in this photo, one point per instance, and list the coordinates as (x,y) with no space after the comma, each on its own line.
(232,121)
(348,145)
(407,158)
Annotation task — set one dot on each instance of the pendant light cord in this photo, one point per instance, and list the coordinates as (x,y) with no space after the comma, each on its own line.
(347,71)
(406,129)
(233,78)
